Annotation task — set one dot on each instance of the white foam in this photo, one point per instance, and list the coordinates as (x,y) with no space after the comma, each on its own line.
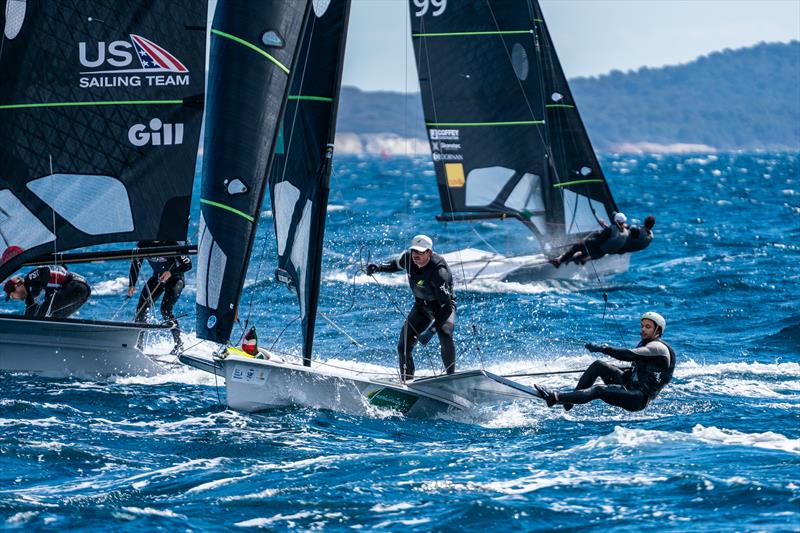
(149,511)
(289,519)
(691,368)
(214,484)
(18,519)
(109,287)
(768,440)
(402,506)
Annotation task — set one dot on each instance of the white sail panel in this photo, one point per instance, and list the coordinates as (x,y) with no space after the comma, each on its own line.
(579,213)
(484,184)
(299,252)
(18,226)
(527,194)
(286,196)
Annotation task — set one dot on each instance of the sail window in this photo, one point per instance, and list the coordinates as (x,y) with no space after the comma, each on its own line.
(578,214)
(300,253)
(286,196)
(527,195)
(15,16)
(211,261)
(484,184)
(272,38)
(519,60)
(18,226)
(96,205)
(320,7)
(585,171)
(556,97)
(235,186)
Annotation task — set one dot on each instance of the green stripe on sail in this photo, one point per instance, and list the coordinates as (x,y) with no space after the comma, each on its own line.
(78,104)
(576,182)
(466,124)
(250,46)
(471,33)
(312,98)
(227,208)
(561,105)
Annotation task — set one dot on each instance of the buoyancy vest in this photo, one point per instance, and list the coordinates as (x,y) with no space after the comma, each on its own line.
(649,376)
(430,282)
(616,240)
(635,244)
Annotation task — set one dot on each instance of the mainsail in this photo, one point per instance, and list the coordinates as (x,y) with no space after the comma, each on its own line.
(101,108)
(506,137)
(299,181)
(254,49)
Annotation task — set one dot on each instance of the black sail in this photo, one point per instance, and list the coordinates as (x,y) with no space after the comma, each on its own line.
(101,108)
(300,177)
(254,47)
(487,72)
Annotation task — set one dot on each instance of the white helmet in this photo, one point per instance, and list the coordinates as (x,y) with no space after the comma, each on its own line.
(657,319)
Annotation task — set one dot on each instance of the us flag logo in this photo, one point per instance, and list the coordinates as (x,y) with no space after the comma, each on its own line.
(154,58)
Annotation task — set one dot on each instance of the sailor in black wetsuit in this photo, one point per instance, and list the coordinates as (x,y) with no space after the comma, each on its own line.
(639,238)
(432,285)
(653,362)
(50,291)
(167,279)
(609,240)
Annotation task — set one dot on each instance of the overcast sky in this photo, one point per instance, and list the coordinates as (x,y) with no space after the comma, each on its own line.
(591,36)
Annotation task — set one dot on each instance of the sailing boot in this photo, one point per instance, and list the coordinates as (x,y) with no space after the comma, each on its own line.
(176,334)
(550,397)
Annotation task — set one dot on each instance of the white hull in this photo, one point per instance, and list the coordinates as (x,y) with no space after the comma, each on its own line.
(253,385)
(471,264)
(72,348)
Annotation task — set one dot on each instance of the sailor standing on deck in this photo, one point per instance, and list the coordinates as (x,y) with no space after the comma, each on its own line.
(632,388)
(432,285)
(167,279)
(49,291)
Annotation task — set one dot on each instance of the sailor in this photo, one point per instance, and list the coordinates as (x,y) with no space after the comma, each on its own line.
(432,285)
(49,291)
(609,240)
(639,238)
(167,279)
(632,388)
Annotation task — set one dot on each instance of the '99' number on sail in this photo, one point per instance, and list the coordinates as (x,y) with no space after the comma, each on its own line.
(438,7)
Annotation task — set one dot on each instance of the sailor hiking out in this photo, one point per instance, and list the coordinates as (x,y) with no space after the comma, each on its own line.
(49,291)
(431,283)
(639,238)
(611,239)
(632,388)
(167,279)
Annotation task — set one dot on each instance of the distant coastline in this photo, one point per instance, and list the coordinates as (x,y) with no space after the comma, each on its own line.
(746,99)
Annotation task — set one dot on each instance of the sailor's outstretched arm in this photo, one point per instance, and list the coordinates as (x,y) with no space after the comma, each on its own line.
(653,352)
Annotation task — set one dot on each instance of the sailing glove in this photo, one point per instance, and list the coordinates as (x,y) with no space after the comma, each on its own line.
(595,347)
(372,268)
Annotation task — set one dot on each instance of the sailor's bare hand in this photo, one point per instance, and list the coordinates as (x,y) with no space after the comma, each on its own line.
(165,276)
(131,290)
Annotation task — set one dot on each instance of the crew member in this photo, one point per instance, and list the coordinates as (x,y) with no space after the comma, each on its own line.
(432,285)
(639,238)
(167,279)
(632,388)
(609,240)
(49,291)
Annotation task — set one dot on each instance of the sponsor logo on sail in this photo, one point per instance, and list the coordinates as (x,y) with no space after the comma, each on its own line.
(444,135)
(136,63)
(437,156)
(156,133)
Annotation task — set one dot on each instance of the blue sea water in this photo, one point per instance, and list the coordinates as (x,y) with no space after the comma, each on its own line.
(719,450)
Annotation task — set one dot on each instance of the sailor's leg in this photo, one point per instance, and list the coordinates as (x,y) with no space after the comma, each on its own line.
(566,256)
(445,324)
(610,374)
(415,324)
(69,298)
(617,395)
(172,291)
(146,298)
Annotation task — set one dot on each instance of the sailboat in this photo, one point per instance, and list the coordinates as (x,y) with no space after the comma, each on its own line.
(506,137)
(101,106)
(278,121)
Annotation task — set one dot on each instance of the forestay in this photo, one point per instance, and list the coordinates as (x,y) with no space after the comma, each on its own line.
(505,134)
(101,107)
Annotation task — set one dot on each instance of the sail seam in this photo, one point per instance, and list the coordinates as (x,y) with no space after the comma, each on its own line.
(576,182)
(227,208)
(567,106)
(465,124)
(251,46)
(75,104)
(471,33)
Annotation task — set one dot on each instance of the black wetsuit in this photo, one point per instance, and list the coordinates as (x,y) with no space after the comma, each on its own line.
(638,239)
(432,287)
(631,388)
(64,292)
(597,244)
(154,288)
